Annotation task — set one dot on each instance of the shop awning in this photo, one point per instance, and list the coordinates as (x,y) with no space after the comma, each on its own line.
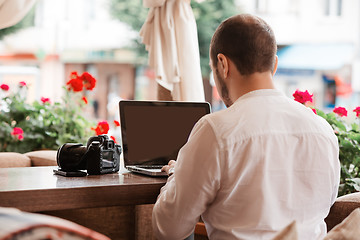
(315,56)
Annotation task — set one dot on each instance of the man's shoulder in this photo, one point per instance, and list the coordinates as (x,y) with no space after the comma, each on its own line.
(310,122)
(219,117)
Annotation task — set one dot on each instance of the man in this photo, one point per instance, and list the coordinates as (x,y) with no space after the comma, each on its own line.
(253,168)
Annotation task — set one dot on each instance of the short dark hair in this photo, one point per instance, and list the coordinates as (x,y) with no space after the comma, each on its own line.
(248,41)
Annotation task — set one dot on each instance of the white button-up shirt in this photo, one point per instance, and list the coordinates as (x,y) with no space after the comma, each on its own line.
(252,169)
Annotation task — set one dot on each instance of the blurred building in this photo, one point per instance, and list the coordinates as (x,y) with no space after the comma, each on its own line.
(73,35)
(318,51)
(318,47)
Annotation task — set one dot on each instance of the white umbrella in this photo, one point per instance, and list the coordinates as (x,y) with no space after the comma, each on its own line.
(12,11)
(170,36)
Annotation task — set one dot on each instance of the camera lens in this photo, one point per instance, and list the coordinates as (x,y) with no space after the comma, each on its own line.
(70,157)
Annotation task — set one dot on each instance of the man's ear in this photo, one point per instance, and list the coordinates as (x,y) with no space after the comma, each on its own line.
(275,66)
(223,65)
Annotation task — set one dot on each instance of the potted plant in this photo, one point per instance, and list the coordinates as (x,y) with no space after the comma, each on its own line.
(42,124)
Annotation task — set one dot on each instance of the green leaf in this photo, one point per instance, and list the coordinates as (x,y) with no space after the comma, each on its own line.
(354,182)
(355,127)
(320,113)
(354,136)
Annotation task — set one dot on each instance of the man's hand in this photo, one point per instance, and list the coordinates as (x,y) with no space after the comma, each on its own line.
(169,169)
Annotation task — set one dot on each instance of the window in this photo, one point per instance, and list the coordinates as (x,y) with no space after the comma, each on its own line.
(333,7)
(275,7)
(261,6)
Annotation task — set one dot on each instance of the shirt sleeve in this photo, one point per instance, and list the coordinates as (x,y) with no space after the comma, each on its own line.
(336,171)
(191,188)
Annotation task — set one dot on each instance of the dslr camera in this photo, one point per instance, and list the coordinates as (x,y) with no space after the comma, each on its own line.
(100,155)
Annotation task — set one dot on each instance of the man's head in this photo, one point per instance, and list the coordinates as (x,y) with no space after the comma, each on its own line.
(248,41)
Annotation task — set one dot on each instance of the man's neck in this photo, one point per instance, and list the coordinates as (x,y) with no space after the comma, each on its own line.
(244,84)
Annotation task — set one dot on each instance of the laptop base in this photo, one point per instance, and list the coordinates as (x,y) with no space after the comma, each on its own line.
(146,171)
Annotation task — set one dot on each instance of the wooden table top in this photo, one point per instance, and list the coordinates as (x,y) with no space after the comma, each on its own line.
(36,189)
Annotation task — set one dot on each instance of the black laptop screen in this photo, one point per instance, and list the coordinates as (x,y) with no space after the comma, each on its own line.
(154,132)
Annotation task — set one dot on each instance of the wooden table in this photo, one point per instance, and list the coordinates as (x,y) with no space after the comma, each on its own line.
(107,203)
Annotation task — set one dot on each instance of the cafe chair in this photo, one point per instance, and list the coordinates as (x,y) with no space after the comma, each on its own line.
(29,159)
(348,229)
(342,208)
(19,225)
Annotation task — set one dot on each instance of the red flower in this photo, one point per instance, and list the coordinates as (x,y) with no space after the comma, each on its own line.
(101,128)
(117,124)
(113,138)
(340,111)
(22,84)
(314,110)
(88,81)
(85,100)
(74,75)
(45,100)
(75,84)
(18,132)
(357,110)
(302,97)
(4,87)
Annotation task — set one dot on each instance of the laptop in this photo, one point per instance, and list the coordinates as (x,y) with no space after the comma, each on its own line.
(154,131)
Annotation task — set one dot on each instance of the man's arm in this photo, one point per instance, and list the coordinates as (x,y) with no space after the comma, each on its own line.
(191,188)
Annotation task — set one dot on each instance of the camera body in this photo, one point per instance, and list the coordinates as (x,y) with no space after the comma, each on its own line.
(100,155)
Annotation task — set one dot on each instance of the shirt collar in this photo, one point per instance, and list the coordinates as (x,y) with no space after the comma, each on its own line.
(260,93)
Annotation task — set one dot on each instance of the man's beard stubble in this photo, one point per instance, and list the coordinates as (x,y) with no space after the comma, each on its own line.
(224,91)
